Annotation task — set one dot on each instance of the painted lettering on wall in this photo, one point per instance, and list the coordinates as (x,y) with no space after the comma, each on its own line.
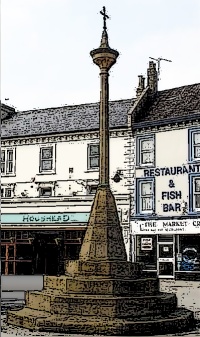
(48,218)
(171,195)
(164,171)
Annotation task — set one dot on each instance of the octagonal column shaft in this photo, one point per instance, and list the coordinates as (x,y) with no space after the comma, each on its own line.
(104,129)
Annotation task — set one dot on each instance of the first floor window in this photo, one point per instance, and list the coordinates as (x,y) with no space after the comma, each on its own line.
(93,156)
(196,145)
(145,196)
(145,153)
(196,194)
(47,157)
(7,161)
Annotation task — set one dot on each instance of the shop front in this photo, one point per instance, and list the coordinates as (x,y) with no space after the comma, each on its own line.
(36,244)
(168,249)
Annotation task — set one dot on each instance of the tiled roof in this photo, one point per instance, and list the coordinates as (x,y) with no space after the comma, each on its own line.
(169,104)
(6,111)
(64,119)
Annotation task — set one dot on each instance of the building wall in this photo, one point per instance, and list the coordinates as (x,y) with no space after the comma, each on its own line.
(70,180)
(69,154)
(171,172)
(165,223)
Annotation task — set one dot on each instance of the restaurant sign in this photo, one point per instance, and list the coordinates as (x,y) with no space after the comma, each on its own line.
(187,226)
(44,218)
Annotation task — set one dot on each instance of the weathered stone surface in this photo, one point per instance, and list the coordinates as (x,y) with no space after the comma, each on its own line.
(101,286)
(104,268)
(107,305)
(103,239)
(178,321)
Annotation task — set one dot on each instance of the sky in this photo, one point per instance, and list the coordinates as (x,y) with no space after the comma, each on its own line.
(45,46)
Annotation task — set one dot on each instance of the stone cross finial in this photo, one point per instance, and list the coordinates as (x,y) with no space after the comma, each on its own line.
(105,16)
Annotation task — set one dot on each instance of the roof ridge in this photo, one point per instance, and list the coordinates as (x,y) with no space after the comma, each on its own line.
(75,105)
(182,86)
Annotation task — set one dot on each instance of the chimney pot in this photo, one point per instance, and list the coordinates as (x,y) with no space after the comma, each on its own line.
(141,85)
(152,77)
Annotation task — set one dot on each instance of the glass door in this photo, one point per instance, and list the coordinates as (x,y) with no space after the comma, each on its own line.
(166,260)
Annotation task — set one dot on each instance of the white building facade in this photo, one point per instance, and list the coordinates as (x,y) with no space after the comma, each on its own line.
(48,182)
(165,214)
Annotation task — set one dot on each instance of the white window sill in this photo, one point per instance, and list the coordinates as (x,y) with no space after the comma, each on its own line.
(8,175)
(92,170)
(45,173)
(138,166)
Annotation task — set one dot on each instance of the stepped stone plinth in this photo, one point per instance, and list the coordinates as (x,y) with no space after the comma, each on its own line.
(102,293)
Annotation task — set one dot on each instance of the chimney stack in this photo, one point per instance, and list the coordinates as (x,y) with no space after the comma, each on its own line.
(141,85)
(152,77)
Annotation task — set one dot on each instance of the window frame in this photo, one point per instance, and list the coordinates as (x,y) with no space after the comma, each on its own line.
(191,151)
(45,187)
(4,188)
(139,182)
(89,167)
(192,208)
(6,161)
(53,169)
(139,140)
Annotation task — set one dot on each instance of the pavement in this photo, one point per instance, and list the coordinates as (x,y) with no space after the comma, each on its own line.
(188,294)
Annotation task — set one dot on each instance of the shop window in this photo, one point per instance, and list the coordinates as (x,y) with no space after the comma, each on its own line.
(145,150)
(8,162)
(3,251)
(24,252)
(3,267)
(24,268)
(93,156)
(188,258)
(194,145)
(145,196)
(22,235)
(146,251)
(45,191)
(47,159)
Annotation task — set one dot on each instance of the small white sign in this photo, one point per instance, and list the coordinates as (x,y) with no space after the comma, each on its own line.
(146,244)
(187,226)
(166,249)
(179,257)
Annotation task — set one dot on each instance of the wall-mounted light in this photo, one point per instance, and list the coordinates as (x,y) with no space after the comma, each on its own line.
(117,176)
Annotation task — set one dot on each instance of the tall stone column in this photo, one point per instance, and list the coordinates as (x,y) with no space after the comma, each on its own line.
(103,239)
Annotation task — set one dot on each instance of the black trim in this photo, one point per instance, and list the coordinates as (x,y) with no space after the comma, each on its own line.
(171,218)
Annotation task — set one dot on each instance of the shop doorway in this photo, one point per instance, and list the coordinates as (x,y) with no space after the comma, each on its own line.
(166,260)
(46,255)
